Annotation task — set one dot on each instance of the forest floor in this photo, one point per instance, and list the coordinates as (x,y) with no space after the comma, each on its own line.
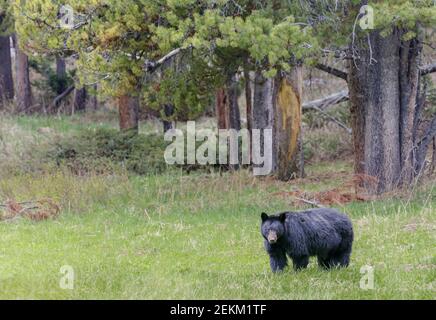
(196,236)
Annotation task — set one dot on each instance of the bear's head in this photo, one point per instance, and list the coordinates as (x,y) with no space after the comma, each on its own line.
(273,227)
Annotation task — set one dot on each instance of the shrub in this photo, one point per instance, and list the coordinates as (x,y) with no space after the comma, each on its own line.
(105,150)
(327,143)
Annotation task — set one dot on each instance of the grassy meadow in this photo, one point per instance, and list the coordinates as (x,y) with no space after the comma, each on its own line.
(192,236)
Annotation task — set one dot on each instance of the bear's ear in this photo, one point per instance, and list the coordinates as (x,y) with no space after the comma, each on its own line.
(264,216)
(282,217)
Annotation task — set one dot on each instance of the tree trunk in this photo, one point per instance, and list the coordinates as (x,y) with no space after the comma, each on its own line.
(61,75)
(6,80)
(433,158)
(383,85)
(227,110)
(79,102)
(249,105)
(263,112)
(168,111)
(226,104)
(128,112)
(221,106)
(357,110)
(409,83)
(288,113)
(234,113)
(93,101)
(278,107)
(23,92)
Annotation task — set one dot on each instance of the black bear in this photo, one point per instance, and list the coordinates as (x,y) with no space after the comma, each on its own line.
(325,233)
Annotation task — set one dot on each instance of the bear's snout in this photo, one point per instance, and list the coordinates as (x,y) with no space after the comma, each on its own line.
(272,237)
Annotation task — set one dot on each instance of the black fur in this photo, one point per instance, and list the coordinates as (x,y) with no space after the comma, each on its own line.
(325,233)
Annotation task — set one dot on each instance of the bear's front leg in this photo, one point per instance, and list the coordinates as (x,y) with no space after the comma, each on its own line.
(278,261)
(300,262)
(277,257)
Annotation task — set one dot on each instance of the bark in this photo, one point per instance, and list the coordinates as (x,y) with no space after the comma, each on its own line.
(128,113)
(6,80)
(23,92)
(263,112)
(287,123)
(79,102)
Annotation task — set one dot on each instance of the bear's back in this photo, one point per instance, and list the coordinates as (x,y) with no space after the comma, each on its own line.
(317,229)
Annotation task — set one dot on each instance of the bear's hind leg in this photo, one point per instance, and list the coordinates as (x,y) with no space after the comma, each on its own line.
(336,260)
(300,262)
(323,262)
(343,259)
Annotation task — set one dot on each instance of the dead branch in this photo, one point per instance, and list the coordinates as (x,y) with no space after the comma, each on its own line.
(151,66)
(428,135)
(35,210)
(326,102)
(430,68)
(5,205)
(59,98)
(333,119)
(433,160)
(333,71)
(342,54)
(424,143)
(313,203)
(321,104)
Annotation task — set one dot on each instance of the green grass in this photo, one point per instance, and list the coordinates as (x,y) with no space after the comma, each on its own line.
(197,237)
